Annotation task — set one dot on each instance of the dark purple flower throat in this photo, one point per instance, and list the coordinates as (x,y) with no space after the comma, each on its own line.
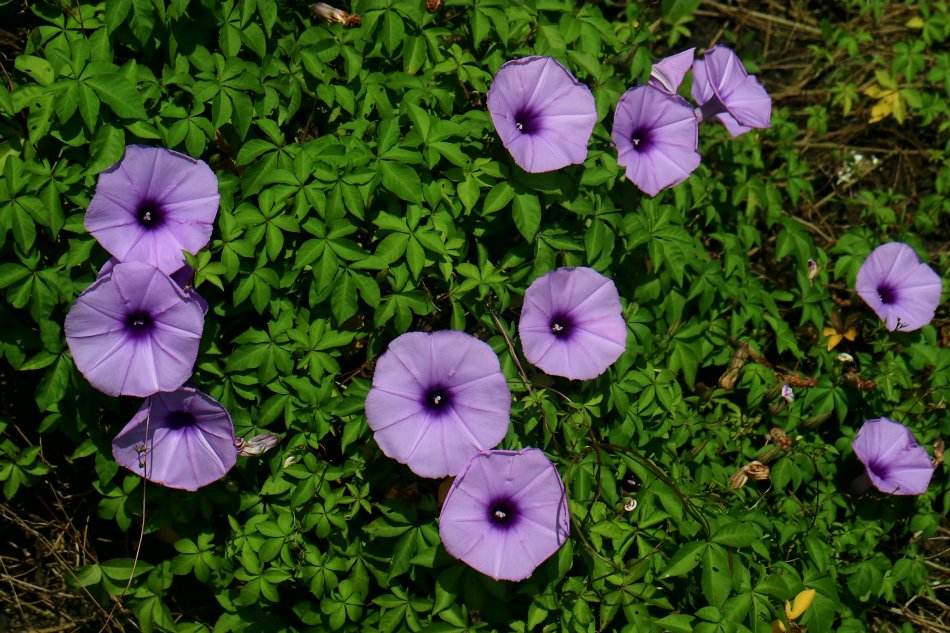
(139,323)
(437,398)
(503,512)
(880,470)
(150,214)
(642,139)
(887,293)
(562,325)
(180,420)
(527,121)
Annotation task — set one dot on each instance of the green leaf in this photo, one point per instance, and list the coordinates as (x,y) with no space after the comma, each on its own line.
(392,31)
(106,149)
(737,534)
(119,94)
(402,180)
(716,580)
(526,212)
(685,559)
(115,13)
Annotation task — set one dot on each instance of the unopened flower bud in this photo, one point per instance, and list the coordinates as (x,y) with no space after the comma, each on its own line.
(257,445)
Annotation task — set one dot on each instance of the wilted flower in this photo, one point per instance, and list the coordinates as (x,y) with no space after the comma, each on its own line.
(812,269)
(152,205)
(726,91)
(754,470)
(893,460)
(331,14)
(183,439)
(543,115)
(506,513)
(437,399)
(257,445)
(667,74)
(657,136)
(135,332)
(844,357)
(787,393)
(902,291)
(571,323)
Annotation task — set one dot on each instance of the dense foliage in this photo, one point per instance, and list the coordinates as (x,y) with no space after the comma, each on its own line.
(364,193)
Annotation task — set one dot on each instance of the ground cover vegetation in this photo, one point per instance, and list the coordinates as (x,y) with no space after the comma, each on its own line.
(723,378)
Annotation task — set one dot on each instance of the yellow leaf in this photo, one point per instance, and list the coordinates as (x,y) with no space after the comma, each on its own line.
(801,603)
(850,334)
(888,105)
(875,91)
(914,23)
(778,627)
(833,337)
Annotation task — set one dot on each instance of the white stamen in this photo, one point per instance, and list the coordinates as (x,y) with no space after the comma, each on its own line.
(519,125)
(436,399)
(147,217)
(499,514)
(557,327)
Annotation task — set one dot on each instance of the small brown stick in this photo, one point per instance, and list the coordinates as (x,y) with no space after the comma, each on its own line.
(763,17)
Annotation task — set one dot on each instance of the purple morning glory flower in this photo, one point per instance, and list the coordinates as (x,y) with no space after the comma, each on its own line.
(668,73)
(135,332)
(189,440)
(571,323)
(152,205)
(893,460)
(657,136)
(506,513)
(726,91)
(902,291)
(543,115)
(184,277)
(437,399)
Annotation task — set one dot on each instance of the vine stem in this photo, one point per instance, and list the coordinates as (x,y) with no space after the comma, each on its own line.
(138,546)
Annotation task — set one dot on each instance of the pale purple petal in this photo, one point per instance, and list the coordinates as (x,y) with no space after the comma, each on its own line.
(657,138)
(134,332)
(668,73)
(725,90)
(152,205)
(571,323)
(893,460)
(506,513)
(900,289)
(437,399)
(542,114)
(184,439)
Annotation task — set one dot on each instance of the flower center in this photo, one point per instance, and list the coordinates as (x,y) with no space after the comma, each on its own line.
(437,398)
(526,121)
(878,470)
(888,294)
(180,420)
(502,512)
(562,326)
(139,322)
(641,139)
(149,214)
